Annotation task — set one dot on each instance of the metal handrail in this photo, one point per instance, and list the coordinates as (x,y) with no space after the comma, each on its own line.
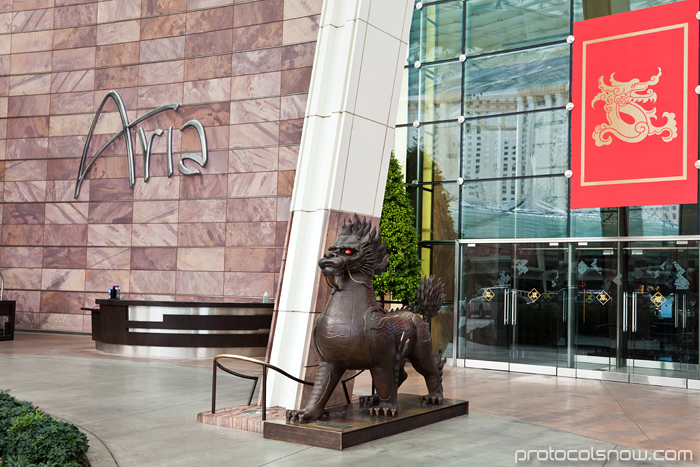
(265,366)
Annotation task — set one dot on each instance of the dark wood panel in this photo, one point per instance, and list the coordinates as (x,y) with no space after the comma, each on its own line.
(208,322)
(101,301)
(197,340)
(96,327)
(7,308)
(113,325)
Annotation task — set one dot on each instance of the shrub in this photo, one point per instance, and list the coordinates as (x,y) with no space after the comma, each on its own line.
(398,229)
(30,437)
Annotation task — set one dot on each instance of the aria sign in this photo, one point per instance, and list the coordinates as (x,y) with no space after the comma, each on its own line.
(146,146)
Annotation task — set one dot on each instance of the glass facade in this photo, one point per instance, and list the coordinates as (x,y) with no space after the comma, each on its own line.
(485,131)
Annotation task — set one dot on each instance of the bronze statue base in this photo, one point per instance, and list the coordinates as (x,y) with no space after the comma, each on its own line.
(350,425)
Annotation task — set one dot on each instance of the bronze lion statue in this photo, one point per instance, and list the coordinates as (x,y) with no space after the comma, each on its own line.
(355,333)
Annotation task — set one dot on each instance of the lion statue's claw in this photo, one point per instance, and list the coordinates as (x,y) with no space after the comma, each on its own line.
(297,416)
(385,409)
(368,401)
(432,398)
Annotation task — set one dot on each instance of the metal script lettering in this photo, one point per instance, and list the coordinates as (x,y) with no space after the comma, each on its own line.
(146,144)
(201,160)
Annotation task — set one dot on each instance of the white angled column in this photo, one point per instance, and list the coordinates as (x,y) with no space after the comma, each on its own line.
(343,158)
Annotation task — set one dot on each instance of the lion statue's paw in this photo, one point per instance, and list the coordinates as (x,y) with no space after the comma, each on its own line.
(434,398)
(369,401)
(297,416)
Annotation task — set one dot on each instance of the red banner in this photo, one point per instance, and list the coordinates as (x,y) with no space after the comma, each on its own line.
(635,119)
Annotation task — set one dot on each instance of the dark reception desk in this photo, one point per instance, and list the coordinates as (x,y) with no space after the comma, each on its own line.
(181,329)
(7,309)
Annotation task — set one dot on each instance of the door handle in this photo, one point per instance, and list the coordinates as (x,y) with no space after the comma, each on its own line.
(565,307)
(634,312)
(685,310)
(514,307)
(506,306)
(675,309)
(625,297)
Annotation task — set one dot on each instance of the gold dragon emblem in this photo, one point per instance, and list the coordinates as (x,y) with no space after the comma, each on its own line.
(626,98)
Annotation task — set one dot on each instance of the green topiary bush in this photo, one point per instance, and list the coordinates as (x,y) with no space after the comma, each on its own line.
(30,437)
(398,229)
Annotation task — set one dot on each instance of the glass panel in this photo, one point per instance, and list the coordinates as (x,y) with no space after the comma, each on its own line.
(527,80)
(494,25)
(598,222)
(515,208)
(437,146)
(483,332)
(539,326)
(662,298)
(639,4)
(598,305)
(440,212)
(434,92)
(662,220)
(512,304)
(442,265)
(442,330)
(402,112)
(516,145)
(636,221)
(633,4)
(436,33)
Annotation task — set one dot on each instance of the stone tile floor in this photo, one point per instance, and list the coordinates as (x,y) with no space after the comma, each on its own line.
(142,412)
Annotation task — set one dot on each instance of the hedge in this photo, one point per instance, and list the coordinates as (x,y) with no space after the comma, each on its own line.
(29,437)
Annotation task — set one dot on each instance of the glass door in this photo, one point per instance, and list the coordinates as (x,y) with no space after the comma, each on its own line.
(538,304)
(483,327)
(512,304)
(660,321)
(598,309)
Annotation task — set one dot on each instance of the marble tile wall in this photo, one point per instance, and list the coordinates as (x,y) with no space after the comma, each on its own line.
(242,68)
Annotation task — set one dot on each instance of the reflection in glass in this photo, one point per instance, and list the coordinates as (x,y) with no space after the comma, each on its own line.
(635,221)
(512,303)
(439,208)
(494,25)
(435,92)
(516,145)
(633,5)
(596,222)
(442,265)
(596,305)
(662,220)
(527,80)
(441,259)
(485,273)
(437,146)
(515,208)
(436,33)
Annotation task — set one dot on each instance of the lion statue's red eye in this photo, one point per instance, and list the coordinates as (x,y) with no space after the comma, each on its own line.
(348,252)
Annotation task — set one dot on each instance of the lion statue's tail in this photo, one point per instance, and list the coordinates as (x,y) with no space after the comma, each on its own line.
(430,297)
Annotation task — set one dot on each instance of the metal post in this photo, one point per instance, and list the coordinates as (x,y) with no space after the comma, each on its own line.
(621,317)
(570,310)
(264,393)
(213,390)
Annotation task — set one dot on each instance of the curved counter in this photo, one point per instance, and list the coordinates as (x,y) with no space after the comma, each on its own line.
(181,329)
(7,326)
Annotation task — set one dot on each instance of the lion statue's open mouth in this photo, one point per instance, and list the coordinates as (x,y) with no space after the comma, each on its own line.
(332,268)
